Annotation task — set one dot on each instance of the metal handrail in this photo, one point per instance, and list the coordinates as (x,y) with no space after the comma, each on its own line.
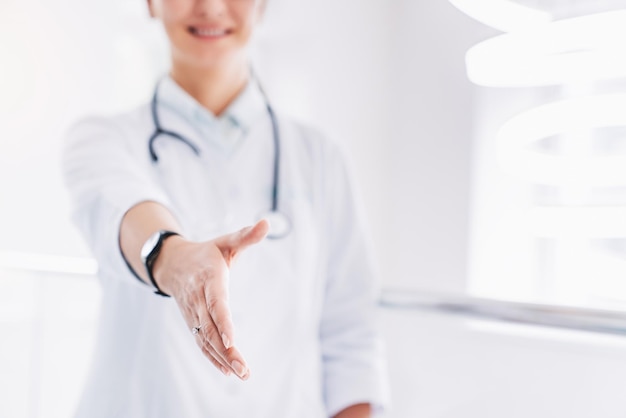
(564,317)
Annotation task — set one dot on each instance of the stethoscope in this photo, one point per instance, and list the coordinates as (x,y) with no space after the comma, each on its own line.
(280,224)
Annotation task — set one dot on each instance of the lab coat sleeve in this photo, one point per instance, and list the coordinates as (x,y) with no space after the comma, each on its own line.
(104,181)
(353,354)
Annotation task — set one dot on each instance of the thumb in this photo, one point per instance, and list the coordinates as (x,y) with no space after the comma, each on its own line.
(232,244)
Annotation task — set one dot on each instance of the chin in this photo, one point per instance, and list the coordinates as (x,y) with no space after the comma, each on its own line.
(214,59)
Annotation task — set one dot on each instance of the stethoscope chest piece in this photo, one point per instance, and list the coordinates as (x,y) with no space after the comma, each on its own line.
(280,224)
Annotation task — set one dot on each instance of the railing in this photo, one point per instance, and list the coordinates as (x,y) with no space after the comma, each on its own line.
(574,318)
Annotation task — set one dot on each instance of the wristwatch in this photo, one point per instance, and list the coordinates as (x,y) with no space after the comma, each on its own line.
(150,251)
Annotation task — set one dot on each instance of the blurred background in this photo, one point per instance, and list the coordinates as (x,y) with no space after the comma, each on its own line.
(489,146)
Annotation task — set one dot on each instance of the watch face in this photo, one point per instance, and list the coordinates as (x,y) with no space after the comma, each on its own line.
(149,245)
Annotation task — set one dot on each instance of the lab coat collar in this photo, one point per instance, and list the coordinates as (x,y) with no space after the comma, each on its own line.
(236,120)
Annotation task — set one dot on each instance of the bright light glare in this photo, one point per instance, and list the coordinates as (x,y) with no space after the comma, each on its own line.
(541,51)
(567,116)
(587,221)
(608,278)
(47,263)
(504,15)
(580,49)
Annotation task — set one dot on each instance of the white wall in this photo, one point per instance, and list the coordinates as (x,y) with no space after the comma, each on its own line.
(430,140)
(75,58)
(388,78)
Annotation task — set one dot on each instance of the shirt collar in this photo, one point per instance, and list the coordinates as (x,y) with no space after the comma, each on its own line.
(236,120)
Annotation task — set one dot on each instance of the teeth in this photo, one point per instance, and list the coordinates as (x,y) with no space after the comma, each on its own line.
(210,32)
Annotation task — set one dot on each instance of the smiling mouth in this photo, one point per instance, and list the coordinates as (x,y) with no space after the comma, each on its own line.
(207,33)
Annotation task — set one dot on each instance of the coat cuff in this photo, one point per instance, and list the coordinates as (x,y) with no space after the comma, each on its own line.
(345,391)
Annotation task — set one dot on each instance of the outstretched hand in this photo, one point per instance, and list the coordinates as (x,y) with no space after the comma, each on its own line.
(196,275)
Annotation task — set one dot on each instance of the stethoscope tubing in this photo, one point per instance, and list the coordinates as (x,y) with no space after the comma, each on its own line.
(276,134)
(158,131)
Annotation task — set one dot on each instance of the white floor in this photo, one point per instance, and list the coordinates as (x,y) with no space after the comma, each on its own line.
(449,367)
(440,366)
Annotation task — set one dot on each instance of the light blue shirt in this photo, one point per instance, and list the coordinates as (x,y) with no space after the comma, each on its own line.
(226,131)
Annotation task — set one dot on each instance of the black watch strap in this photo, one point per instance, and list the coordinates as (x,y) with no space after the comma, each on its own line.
(152,257)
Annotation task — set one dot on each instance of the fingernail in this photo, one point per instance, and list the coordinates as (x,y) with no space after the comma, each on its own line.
(225,340)
(225,371)
(239,369)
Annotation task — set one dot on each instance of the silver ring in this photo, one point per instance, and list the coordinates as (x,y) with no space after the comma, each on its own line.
(196,330)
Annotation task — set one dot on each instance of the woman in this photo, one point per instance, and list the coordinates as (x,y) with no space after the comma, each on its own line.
(153,188)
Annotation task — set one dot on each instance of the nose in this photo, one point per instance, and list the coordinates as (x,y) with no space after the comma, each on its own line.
(211,8)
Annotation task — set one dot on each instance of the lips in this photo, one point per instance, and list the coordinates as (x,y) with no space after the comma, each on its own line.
(208,33)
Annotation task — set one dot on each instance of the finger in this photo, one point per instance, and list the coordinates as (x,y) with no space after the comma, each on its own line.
(216,297)
(215,359)
(218,360)
(210,342)
(204,322)
(232,244)
(243,367)
(229,356)
(193,321)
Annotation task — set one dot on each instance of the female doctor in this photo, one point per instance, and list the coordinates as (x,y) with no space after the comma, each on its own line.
(189,329)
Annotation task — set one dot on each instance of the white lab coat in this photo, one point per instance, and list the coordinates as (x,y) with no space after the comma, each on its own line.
(303,306)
